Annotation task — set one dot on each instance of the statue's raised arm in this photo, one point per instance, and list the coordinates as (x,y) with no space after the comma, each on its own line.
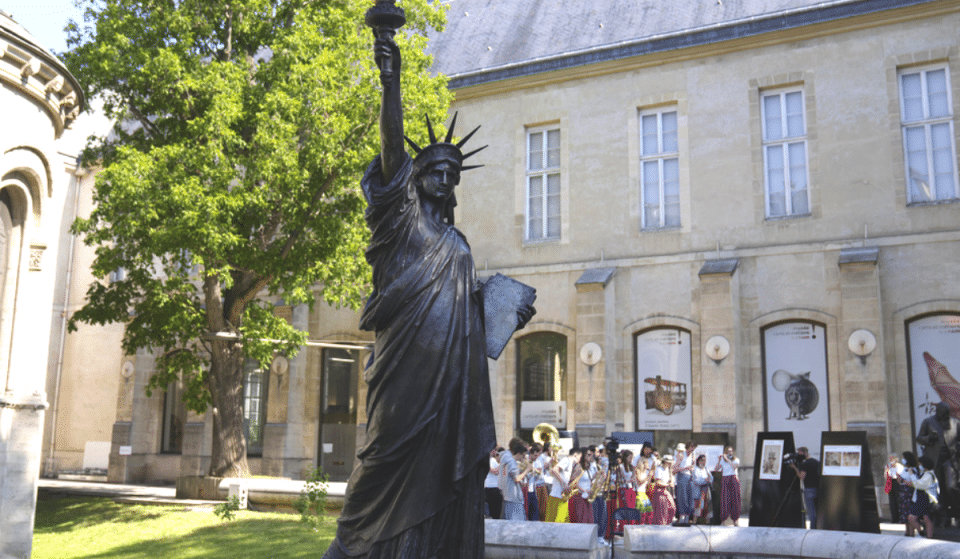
(387,56)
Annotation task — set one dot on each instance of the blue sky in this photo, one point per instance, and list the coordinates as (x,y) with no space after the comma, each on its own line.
(44,19)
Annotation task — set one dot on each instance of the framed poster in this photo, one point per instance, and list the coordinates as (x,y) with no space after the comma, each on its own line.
(771,459)
(795,381)
(712,452)
(932,343)
(841,460)
(662,360)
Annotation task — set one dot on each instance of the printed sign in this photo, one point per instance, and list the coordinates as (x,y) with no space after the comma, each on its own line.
(534,413)
(771,459)
(663,380)
(795,376)
(934,360)
(841,460)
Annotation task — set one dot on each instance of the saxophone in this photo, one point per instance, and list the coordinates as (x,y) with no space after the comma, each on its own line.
(598,485)
(572,488)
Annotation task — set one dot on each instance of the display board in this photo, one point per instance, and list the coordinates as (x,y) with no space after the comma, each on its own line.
(775,499)
(795,392)
(663,379)
(932,343)
(847,499)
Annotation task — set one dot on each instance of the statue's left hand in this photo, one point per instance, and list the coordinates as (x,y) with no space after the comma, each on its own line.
(524,314)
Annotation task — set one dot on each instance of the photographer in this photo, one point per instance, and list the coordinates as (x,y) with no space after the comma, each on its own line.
(809,474)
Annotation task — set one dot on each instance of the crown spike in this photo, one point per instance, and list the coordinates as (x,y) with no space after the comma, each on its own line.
(412,144)
(468,167)
(475,151)
(453,125)
(433,137)
(468,136)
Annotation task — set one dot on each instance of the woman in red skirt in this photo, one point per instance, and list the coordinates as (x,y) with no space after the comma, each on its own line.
(664,507)
(728,464)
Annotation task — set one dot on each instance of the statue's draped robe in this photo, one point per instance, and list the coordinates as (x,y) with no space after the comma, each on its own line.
(417,491)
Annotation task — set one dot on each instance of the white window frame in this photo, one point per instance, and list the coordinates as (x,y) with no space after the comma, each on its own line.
(660,157)
(927,122)
(545,171)
(785,142)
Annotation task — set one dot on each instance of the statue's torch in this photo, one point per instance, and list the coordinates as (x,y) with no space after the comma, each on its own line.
(385,18)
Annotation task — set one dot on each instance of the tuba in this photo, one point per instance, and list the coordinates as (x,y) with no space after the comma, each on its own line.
(546,434)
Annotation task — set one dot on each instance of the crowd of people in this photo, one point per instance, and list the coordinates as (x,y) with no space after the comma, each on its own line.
(589,485)
(914,492)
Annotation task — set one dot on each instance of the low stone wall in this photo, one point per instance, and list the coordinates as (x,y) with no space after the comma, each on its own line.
(728,542)
(542,540)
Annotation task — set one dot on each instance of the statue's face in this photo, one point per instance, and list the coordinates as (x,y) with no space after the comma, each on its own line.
(439,180)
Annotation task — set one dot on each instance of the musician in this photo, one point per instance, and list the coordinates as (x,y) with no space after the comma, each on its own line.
(683,470)
(581,512)
(728,464)
(664,507)
(598,491)
(563,474)
(535,481)
(622,493)
(511,480)
(701,484)
(491,485)
(643,483)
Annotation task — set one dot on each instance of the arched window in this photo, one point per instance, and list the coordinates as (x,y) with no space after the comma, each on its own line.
(541,370)
(254,405)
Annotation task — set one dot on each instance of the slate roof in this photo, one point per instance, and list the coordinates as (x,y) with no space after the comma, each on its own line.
(490,40)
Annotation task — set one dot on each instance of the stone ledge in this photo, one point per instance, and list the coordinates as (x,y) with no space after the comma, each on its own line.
(541,540)
(730,542)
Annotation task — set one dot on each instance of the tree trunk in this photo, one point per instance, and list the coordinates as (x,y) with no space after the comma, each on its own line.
(225,381)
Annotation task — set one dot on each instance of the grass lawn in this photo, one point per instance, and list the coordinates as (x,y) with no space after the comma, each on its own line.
(94,527)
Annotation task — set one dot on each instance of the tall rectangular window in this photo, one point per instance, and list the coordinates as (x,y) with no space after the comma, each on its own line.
(926,116)
(174,418)
(543,184)
(254,406)
(659,170)
(785,154)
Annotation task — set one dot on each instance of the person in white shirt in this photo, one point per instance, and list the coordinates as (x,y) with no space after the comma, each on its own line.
(700,484)
(891,475)
(557,507)
(664,506)
(580,510)
(925,495)
(728,464)
(491,485)
(683,470)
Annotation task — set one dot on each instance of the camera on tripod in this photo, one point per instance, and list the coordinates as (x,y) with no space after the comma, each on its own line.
(611,448)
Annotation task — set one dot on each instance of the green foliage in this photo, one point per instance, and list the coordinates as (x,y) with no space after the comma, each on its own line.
(313,499)
(243,129)
(228,509)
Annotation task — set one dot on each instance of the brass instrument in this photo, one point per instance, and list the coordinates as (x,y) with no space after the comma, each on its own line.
(598,484)
(572,488)
(546,434)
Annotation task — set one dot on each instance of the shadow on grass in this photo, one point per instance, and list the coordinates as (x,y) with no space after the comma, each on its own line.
(248,538)
(64,514)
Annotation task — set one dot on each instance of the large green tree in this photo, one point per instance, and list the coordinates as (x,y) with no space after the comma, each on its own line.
(232,176)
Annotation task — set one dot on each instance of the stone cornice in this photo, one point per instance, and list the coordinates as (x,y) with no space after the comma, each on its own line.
(41,76)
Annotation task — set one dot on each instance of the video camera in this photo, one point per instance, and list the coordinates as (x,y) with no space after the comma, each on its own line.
(611,447)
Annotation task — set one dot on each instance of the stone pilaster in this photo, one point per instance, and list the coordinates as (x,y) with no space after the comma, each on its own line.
(715,402)
(21,434)
(595,323)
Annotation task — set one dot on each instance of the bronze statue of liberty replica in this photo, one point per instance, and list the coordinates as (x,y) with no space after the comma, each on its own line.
(418,489)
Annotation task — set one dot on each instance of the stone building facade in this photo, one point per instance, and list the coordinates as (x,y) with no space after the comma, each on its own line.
(40,99)
(732,202)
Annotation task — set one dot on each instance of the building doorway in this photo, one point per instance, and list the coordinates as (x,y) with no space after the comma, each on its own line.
(338,412)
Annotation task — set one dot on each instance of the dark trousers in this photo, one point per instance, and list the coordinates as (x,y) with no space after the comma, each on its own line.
(494,502)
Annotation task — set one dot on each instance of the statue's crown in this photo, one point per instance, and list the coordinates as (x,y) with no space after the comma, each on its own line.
(442,151)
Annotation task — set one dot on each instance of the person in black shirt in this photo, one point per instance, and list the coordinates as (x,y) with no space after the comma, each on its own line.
(809,473)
